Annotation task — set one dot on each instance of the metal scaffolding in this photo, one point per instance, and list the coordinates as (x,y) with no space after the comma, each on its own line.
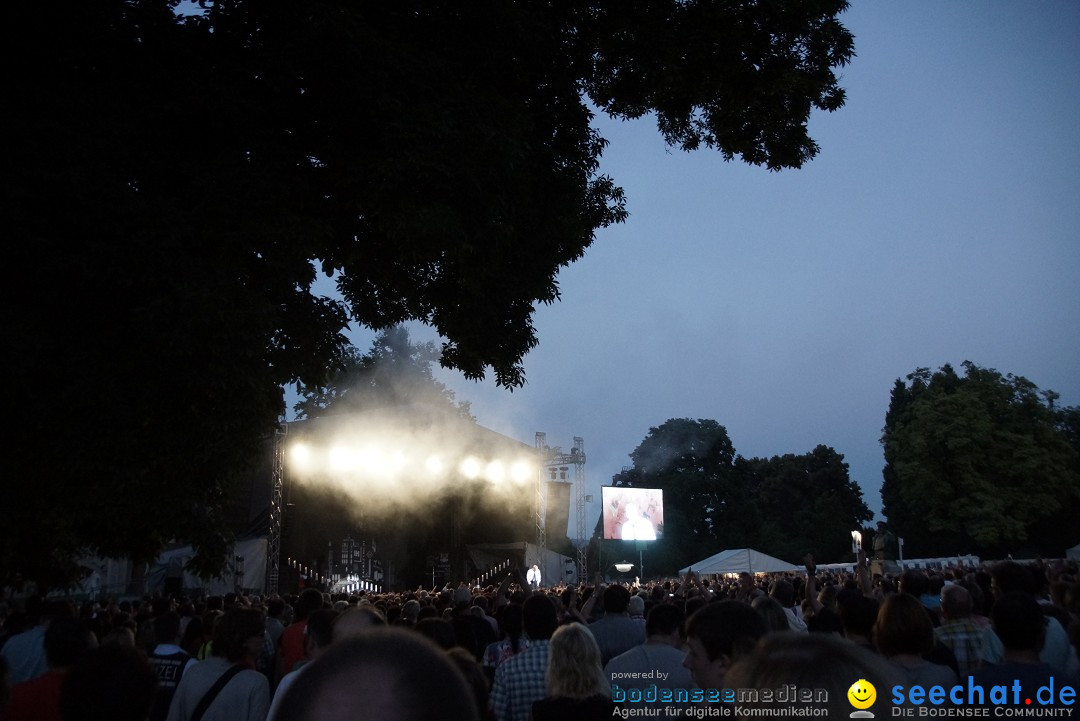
(553,458)
(277,508)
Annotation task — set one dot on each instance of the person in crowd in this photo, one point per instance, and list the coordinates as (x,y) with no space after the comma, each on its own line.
(357,619)
(383,674)
(25,651)
(245,693)
(317,638)
(772,613)
(1020,626)
(957,630)
(473,632)
(210,618)
(1012,577)
(291,643)
(476,679)
(813,661)
(717,635)
(857,614)
(66,641)
(410,613)
(169,661)
(119,636)
(784,592)
(512,642)
(113,682)
(657,662)
(519,681)
(615,632)
(577,689)
(904,635)
(275,626)
(636,608)
(440,631)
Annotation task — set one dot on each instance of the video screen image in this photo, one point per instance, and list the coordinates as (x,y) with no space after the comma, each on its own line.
(633,514)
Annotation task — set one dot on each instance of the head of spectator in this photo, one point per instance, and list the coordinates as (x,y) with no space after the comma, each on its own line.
(955,603)
(574,670)
(858,614)
(318,632)
(475,677)
(717,635)
(914,583)
(512,625)
(167,628)
(665,625)
(410,612)
(357,619)
(66,641)
(903,627)
(384,674)
(1011,577)
(309,601)
(238,634)
(772,613)
(119,636)
(636,607)
(616,599)
(812,661)
(1020,624)
(112,682)
(784,592)
(539,617)
(439,630)
(275,607)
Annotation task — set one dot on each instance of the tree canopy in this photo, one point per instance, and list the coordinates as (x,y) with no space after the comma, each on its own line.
(979,462)
(714,499)
(175,183)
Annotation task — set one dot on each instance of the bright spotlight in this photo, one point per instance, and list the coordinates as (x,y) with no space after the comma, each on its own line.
(301,455)
(471,467)
(434,465)
(495,472)
(342,459)
(521,471)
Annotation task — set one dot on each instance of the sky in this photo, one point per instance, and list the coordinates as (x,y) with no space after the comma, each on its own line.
(939,223)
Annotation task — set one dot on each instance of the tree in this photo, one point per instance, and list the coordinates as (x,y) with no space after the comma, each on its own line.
(802,504)
(977,463)
(714,499)
(177,182)
(692,461)
(396,372)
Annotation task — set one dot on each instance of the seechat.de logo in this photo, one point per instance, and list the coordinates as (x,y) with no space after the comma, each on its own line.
(862,695)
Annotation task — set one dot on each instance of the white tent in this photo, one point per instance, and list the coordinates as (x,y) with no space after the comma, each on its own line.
(1073,554)
(737,560)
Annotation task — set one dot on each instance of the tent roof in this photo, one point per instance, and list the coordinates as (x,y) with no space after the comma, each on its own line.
(737,560)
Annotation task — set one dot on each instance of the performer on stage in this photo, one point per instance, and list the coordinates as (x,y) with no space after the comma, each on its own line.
(533,577)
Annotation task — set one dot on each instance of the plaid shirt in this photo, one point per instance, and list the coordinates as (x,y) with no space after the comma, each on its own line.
(519,681)
(964,637)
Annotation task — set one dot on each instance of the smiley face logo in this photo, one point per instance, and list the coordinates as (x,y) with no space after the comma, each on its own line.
(862,694)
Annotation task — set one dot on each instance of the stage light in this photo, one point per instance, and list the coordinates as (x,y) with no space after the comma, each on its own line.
(342,459)
(301,455)
(520,471)
(434,465)
(471,467)
(495,472)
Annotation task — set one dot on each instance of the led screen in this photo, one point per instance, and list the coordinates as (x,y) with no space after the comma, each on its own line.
(633,514)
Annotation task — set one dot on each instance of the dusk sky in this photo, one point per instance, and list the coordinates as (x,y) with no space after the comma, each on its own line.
(940,223)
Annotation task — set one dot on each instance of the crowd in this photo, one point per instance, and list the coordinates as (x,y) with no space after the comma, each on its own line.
(516,653)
